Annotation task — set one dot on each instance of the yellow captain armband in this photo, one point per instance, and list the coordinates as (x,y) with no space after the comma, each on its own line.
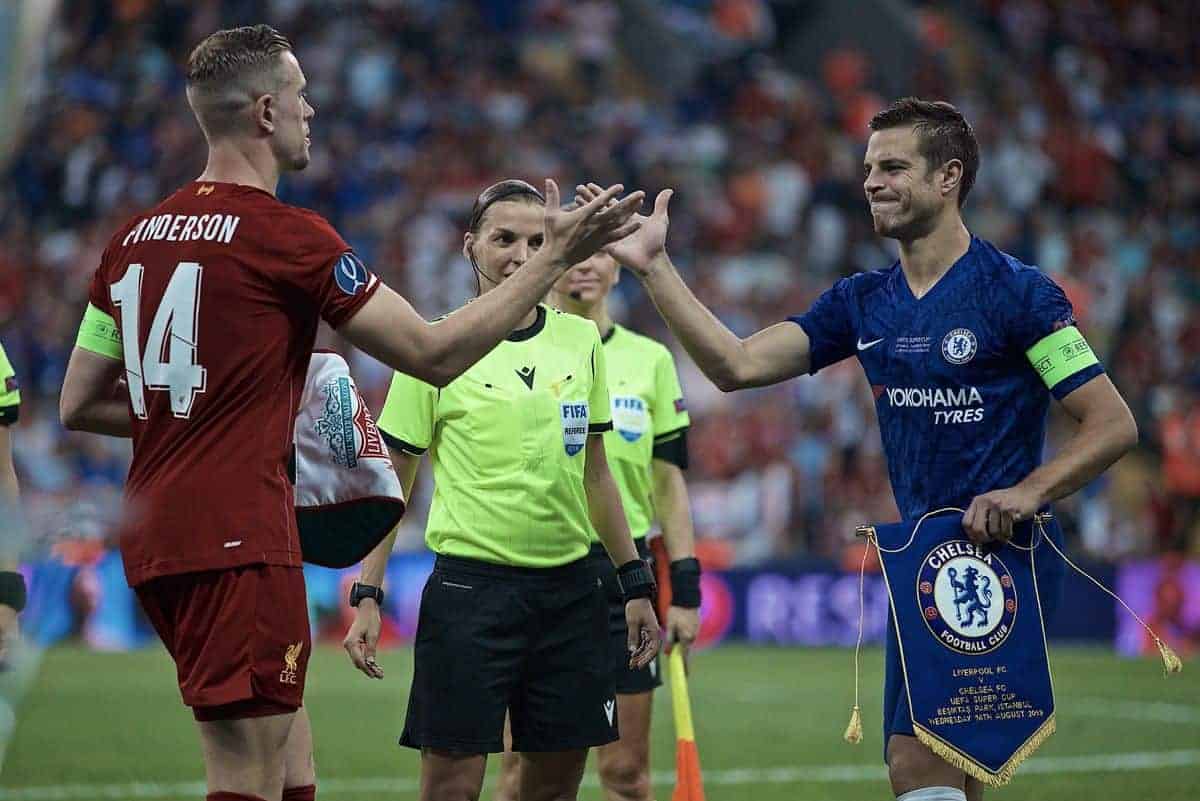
(1061,355)
(99,333)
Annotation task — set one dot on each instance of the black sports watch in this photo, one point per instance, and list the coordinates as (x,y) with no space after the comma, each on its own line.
(637,580)
(359,591)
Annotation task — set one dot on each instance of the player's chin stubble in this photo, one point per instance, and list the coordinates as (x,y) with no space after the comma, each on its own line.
(904,228)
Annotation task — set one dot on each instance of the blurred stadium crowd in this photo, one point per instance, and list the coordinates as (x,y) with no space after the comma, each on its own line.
(1088,115)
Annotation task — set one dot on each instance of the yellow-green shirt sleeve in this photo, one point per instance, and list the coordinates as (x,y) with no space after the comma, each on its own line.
(599,406)
(99,333)
(669,411)
(409,414)
(10,391)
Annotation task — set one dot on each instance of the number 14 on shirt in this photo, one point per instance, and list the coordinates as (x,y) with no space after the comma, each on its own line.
(173,332)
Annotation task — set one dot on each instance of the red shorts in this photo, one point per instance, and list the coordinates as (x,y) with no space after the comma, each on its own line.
(239,638)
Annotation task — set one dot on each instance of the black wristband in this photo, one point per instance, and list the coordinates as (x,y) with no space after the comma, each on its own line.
(685,583)
(637,580)
(12,589)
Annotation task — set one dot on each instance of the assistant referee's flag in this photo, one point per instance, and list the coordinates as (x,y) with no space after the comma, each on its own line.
(688,783)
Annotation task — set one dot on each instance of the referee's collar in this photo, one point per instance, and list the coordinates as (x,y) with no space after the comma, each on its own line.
(608,335)
(532,330)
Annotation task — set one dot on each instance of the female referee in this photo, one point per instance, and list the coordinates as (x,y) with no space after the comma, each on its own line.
(515,616)
(647,453)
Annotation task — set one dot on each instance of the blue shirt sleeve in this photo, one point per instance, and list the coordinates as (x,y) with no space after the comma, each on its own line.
(830,326)
(1042,309)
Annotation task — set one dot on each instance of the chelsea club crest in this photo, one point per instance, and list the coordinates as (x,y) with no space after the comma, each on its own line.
(959,346)
(967,597)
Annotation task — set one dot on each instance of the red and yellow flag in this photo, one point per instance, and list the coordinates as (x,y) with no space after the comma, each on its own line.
(689,785)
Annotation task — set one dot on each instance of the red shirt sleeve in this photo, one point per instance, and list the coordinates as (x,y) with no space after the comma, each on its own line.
(98,294)
(326,270)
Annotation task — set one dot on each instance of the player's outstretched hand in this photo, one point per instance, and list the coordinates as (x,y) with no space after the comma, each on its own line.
(645,638)
(10,631)
(573,234)
(990,516)
(641,250)
(363,637)
(682,627)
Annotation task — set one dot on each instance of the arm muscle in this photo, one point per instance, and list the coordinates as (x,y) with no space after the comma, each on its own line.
(767,357)
(604,504)
(1106,431)
(93,398)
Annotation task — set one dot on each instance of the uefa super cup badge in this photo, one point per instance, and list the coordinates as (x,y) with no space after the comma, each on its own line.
(967,597)
(959,346)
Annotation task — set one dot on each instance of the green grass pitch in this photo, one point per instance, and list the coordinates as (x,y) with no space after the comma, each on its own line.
(768,722)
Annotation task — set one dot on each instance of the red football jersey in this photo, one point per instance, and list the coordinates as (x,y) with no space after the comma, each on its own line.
(217,293)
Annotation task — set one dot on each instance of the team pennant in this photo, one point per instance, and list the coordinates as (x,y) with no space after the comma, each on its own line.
(972,642)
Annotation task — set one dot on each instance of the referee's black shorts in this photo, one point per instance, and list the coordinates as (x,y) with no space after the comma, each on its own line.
(630,681)
(532,641)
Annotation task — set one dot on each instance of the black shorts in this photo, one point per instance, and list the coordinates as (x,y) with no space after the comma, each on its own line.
(630,681)
(529,641)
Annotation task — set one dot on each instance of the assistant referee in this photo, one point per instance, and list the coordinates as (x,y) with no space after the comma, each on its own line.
(12,583)
(514,617)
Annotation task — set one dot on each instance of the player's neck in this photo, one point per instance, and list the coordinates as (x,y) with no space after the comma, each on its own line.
(927,259)
(231,164)
(597,312)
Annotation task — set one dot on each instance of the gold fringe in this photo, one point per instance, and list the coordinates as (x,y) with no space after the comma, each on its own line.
(972,768)
(854,733)
(1171,661)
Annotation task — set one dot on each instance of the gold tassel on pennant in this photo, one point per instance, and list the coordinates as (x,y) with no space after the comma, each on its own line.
(853,733)
(854,729)
(1171,661)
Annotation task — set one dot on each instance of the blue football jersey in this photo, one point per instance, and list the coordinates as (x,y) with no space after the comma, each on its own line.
(962,411)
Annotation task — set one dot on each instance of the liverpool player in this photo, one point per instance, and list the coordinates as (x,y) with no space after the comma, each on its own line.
(196,341)
(964,345)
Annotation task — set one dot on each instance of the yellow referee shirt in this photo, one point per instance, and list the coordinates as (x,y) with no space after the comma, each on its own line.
(648,412)
(507,439)
(10,393)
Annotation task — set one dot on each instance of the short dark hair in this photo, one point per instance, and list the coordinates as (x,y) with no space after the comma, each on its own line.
(231,68)
(943,134)
(509,189)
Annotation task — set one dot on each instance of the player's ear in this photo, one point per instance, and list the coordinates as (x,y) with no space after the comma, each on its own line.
(952,173)
(264,113)
(468,244)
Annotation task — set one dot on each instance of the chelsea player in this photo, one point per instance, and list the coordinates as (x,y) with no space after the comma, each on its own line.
(963,345)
